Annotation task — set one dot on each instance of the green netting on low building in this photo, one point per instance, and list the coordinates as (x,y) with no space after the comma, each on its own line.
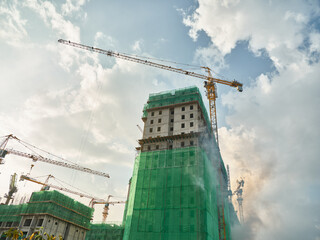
(12,213)
(60,205)
(63,200)
(105,232)
(174,97)
(49,202)
(173,196)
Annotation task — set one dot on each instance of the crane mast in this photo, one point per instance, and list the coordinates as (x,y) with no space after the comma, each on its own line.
(239,192)
(209,84)
(46,184)
(12,189)
(106,203)
(211,92)
(37,157)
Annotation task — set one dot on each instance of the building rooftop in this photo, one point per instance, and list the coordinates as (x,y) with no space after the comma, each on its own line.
(176,96)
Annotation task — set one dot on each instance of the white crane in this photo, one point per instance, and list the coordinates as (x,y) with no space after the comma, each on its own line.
(239,192)
(37,157)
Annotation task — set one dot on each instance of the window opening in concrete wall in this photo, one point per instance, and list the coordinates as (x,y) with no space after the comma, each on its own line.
(172,111)
(171,120)
(56,223)
(150,130)
(151,122)
(40,221)
(160,112)
(191,107)
(191,124)
(183,108)
(157,147)
(27,222)
(191,115)
(152,114)
(182,125)
(8,224)
(159,120)
(191,143)
(171,129)
(159,129)
(182,116)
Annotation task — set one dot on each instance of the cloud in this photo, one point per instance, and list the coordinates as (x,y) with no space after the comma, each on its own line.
(54,19)
(12,30)
(227,22)
(72,6)
(272,133)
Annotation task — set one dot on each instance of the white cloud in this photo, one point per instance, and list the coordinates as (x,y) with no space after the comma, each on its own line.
(273,129)
(54,19)
(274,26)
(315,42)
(12,29)
(137,46)
(72,6)
(210,56)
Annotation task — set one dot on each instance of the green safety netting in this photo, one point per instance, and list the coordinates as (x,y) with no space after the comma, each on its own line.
(105,232)
(173,196)
(176,96)
(12,213)
(49,202)
(60,205)
(62,199)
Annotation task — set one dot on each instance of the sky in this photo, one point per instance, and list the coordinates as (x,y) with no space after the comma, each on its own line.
(85,107)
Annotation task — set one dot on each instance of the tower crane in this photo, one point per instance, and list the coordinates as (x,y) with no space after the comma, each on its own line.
(12,189)
(239,192)
(106,203)
(209,83)
(46,186)
(37,157)
(211,92)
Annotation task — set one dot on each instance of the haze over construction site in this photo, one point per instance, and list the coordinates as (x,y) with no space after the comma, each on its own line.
(121,94)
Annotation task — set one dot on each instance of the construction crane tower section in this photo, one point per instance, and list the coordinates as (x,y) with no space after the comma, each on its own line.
(36,157)
(46,184)
(211,92)
(209,84)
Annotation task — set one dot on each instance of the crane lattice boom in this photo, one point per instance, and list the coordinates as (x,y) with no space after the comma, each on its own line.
(24,177)
(209,83)
(211,91)
(36,157)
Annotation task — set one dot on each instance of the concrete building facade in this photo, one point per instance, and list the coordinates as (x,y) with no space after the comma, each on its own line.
(175,184)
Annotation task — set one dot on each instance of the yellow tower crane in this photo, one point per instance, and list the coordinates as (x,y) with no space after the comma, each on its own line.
(209,84)
(211,92)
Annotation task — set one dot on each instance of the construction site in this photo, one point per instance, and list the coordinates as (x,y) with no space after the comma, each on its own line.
(180,186)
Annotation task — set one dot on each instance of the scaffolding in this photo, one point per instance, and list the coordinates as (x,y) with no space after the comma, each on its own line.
(177,96)
(105,231)
(174,196)
(49,203)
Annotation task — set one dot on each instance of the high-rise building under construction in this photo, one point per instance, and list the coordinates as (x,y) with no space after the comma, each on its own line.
(179,184)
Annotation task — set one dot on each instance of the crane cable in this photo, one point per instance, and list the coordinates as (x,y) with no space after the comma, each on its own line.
(25,144)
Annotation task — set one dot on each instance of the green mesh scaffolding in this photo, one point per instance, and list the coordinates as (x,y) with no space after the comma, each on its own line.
(176,96)
(173,196)
(105,231)
(49,202)
(12,213)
